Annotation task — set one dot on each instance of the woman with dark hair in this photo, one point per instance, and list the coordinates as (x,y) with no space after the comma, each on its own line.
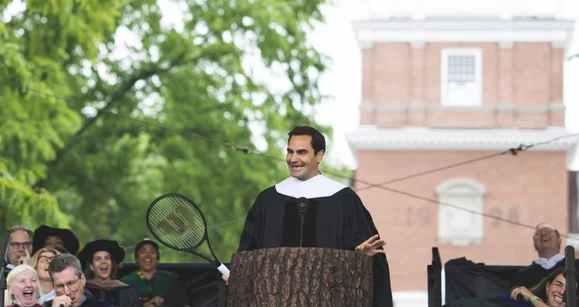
(101,260)
(550,292)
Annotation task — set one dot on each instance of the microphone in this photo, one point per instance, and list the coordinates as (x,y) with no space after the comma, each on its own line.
(303,205)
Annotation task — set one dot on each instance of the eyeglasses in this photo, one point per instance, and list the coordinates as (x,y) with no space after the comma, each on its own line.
(44,259)
(20,244)
(71,285)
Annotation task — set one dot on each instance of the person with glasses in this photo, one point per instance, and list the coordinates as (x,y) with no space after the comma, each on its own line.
(20,246)
(69,281)
(40,261)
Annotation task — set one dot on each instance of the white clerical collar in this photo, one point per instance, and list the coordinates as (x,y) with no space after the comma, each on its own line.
(10,266)
(549,263)
(49,296)
(318,186)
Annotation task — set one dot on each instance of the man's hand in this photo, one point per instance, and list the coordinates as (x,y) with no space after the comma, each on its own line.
(155,301)
(225,279)
(522,291)
(25,259)
(61,300)
(370,246)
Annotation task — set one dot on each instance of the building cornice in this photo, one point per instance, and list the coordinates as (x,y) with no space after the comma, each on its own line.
(504,32)
(373,138)
(368,105)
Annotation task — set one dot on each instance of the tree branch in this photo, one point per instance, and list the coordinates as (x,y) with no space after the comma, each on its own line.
(113,99)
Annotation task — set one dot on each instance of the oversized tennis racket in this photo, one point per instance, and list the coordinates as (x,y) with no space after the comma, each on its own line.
(178,223)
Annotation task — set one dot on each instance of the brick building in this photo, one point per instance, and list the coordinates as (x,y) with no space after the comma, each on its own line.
(442,90)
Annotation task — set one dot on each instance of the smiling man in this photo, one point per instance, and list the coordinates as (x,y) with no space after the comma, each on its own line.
(69,281)
(336,216)
(547,243)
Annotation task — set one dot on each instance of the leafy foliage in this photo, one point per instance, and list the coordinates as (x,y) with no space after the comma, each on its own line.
(157,104)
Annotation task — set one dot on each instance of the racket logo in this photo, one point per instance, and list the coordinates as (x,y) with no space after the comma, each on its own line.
(175,222)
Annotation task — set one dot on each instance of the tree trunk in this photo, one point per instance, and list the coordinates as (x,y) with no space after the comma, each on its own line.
(300,277)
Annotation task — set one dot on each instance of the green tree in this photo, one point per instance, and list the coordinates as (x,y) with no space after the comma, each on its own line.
(38,43)
(166,112)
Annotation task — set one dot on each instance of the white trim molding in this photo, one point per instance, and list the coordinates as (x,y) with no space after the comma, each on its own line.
(456,227)
(374,138)
(505,32)
(368,105)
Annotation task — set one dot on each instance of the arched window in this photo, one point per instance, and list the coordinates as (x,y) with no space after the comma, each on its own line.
(456,226)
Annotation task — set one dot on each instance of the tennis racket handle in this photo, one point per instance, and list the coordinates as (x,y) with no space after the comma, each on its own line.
(224,270)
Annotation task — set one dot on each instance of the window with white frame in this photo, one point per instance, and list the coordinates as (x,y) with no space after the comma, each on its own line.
(461,79)
(460,201)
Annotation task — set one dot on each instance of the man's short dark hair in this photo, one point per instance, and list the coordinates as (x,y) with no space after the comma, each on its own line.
(22,228)
(318,140)
(63,261)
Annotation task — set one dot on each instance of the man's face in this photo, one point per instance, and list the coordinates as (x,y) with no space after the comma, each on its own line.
(300,158)
(101,265)
(53,241)
(19,244)
(147,258)
(67,283)
(545,238)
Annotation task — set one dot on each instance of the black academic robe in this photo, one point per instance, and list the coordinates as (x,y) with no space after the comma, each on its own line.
(117,297)
(533,274)
(338,220)
(89,302)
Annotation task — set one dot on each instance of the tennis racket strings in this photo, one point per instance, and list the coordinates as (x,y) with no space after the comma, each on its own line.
(177,223)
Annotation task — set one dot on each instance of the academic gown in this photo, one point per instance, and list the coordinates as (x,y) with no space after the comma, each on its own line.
(534,274)
(336,218)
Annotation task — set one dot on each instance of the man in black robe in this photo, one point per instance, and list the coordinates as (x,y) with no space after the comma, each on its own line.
(336,217)
(547,243)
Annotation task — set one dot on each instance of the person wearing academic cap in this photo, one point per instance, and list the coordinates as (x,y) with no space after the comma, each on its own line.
(46,236)
(338,218)
(155,287)
(101,260)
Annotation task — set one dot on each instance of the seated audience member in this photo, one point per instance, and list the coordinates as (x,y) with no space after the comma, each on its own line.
(101,260)
(547,243)
(550,292)
(69,283)
(153,286)
(46,236)
(23,288)
(40,261)
(20,247)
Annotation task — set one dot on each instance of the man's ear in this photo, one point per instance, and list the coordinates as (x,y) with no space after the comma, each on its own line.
(320,156)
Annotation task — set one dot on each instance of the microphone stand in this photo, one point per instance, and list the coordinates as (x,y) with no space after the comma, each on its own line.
(302,220)
(571,278)
(3,261)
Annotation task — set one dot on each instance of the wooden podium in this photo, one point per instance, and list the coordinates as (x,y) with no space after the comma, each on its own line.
(300,277)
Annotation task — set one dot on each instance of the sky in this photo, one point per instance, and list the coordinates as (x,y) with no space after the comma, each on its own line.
(337,39)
